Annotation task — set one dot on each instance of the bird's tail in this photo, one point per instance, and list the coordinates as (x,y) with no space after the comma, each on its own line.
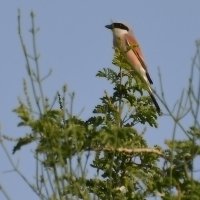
(154,99)
(148,82)
(155,102)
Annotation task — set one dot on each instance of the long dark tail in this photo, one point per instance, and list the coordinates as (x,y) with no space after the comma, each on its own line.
(155,102)
(148,81)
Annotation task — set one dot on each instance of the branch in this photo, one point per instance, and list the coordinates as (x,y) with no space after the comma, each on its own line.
(130,150)
(15,168)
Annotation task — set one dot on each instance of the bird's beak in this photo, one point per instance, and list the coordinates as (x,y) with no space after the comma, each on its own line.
(109,26)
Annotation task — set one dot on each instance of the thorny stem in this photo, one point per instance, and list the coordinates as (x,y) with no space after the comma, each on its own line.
(36,58)
(28,65)
(4,193)
(195,96)
(15,168)
(173,138)
(177,118)
(191,106)
(120,100)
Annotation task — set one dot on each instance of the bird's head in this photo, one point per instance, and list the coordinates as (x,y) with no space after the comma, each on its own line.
(118,28)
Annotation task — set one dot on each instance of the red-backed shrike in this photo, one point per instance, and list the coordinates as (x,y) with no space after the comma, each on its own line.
(125,41)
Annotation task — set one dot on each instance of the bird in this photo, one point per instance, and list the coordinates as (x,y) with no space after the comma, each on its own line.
(125,41)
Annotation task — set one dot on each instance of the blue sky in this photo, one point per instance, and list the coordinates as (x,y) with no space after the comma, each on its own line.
(74,43)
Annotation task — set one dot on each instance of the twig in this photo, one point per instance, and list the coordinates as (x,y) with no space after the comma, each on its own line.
(130,150)
(15,168)
(28,65)
(36,58)
(4,192)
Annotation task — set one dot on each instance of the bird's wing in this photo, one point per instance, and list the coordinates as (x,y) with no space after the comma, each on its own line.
(134,46)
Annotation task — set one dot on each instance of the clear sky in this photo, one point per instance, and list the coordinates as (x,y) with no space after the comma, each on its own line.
(74,43)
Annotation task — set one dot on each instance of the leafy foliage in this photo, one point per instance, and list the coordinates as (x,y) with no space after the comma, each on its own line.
(121,173)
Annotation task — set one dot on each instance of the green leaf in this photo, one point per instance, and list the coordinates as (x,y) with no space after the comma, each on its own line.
(23,141)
